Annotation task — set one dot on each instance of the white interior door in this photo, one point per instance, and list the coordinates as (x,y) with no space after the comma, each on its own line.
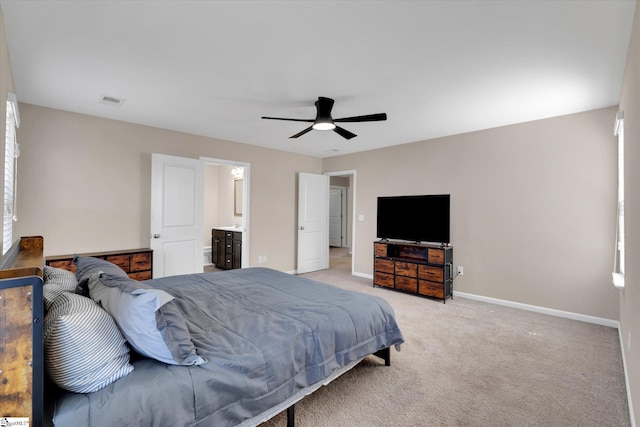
(335,217)
(176,215)
(313,222)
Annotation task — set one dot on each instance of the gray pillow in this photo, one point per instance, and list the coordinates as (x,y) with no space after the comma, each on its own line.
(66,279)
(84,349)
(147,318)
(87,266)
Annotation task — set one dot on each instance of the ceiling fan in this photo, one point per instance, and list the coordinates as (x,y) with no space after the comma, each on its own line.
(324,121)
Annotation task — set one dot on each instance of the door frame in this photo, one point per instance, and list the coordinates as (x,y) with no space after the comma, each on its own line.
(352,173)
(246,200)
(343,212)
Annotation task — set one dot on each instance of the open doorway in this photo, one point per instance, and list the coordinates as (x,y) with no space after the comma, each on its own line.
(341,220)
(226,210)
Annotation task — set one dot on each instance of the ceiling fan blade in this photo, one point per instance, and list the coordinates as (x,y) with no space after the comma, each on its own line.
(302,133)
(367,118)
(290,120)
(344,133)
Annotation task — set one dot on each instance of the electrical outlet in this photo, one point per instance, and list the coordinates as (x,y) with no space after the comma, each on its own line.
(460,271)
(260,259)
(264,258)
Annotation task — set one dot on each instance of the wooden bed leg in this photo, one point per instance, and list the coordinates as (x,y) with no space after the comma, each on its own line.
(385,354)
(291,416)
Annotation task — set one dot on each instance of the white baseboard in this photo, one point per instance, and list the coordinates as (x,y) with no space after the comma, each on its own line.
(528,307)
(544,310)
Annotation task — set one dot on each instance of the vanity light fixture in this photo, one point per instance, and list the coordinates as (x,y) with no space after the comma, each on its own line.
(237,172)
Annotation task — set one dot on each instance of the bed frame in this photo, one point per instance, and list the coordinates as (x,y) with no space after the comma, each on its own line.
(21,319)
(22,375)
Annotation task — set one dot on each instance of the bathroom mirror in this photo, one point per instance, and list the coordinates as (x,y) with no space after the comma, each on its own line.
(237,197)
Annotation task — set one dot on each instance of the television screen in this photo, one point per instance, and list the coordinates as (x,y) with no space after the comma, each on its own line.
(414,218)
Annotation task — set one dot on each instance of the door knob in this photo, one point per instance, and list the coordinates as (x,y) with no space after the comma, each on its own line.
(156,236)
(302,227)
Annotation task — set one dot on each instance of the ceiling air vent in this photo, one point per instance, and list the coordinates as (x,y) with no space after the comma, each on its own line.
(111,100)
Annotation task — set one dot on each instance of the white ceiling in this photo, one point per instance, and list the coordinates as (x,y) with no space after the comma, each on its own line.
(214,68)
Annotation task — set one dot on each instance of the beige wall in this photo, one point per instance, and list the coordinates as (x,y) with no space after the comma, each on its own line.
(630,297)
(6,85)
(84,183)
(532,207)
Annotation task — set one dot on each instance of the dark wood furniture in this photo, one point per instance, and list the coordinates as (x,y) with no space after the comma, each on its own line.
(226,248)
(416,268)
(21,319)
(137,263)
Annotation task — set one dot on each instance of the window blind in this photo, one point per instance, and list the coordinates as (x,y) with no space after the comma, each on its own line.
(10,161)
(619,251)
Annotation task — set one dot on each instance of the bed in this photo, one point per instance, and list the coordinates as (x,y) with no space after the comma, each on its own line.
(231,348)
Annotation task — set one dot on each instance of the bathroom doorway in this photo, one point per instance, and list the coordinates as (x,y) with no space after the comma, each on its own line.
(226,205)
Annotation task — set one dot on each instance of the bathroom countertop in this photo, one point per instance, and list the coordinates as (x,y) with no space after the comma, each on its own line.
(229,228)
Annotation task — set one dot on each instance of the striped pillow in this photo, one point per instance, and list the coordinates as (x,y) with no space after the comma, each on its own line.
(51,291)
(84,349)
(66,279)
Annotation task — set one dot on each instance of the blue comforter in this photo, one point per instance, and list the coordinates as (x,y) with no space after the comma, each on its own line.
(265,334)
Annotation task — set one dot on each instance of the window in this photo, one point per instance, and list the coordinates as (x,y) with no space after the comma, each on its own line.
(11,154)
(618,260)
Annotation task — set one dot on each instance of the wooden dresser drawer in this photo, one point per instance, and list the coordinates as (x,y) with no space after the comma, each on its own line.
(65,264)
(380,249)
(140,275)
(140,262)
(407,269)
(432,273)
(384,265)
(121,261)
(383,279)
(435,256)
(431,289)
(406,283)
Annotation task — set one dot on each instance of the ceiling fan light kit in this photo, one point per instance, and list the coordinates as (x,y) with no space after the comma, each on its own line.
(324,121)
(323,125)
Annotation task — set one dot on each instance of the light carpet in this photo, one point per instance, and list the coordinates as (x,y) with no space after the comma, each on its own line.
(469,363)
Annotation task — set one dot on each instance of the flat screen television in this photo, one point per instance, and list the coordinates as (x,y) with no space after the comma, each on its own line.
(414,218)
